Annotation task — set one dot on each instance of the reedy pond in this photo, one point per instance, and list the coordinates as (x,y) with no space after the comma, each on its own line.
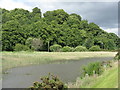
(66,70)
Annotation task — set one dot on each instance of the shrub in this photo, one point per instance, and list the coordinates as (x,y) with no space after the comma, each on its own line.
(67,49)
(117,56)
(93,68)
(95,48)
(80,48)
(72,49)
(106,64)
(55,48)
(20,47)
(48,83)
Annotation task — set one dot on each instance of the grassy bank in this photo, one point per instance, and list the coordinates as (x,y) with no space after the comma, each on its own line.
(109,79)
(14,59)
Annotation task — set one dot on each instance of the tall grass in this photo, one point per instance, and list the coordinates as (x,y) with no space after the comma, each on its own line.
(109,79)
(14,59)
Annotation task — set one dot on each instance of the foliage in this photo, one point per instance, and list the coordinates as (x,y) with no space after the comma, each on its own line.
(55,48)
(110,45)
(117,56)
(58,15)
(37,44)
(106,64)
(20,47)
(108,79)
(80,48)
(115,39)
(55,26)
(67,49)
(93,68)
(34,43)
(95,48)
(49,82)
(88,43)
(106,41)
(96,68)
(36,10)
(28,42)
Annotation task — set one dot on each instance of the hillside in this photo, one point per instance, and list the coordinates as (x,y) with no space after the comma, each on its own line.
(55,27)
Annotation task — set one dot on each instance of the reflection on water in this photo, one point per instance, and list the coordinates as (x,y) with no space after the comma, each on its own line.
(68,71)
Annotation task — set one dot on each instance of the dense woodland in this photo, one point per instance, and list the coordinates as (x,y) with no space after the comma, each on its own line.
(37,31)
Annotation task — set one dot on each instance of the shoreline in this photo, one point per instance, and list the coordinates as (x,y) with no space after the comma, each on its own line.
(95,81)
(18,59)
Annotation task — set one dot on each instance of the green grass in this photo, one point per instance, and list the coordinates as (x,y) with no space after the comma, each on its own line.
(109,79)
(15,59)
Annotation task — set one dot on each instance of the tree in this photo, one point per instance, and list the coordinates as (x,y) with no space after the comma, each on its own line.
(110,45)
(73,19)
(37,44)
(74,15)
(115,38)
(35,11)
(56,26)
(34,43)
(29,42)
(10,33)
(59,15)
(83,25)
(88,43)
(99,42)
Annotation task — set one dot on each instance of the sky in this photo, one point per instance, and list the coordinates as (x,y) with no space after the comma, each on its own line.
(102,12)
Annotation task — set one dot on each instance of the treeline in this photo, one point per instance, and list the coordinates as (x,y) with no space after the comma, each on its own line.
(23,30)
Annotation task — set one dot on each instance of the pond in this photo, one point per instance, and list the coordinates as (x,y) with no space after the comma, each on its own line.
(67,71)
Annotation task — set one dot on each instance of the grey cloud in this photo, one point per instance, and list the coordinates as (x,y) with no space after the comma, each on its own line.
(105,14)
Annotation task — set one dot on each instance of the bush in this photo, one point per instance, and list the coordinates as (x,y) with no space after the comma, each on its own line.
(55,48)
(93,68)
(48,83)
(106,64)
(20,47)
(117,56)
(95,48)
(67,49)
(80,48)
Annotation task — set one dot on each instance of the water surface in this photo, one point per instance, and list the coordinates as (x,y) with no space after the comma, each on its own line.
(67,71)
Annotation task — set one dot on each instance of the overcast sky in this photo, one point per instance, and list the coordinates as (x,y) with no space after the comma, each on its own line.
(103,12)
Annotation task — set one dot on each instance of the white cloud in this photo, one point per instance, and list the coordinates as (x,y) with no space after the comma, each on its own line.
(10,4)
(72,0)
(42,0)
(111,30)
